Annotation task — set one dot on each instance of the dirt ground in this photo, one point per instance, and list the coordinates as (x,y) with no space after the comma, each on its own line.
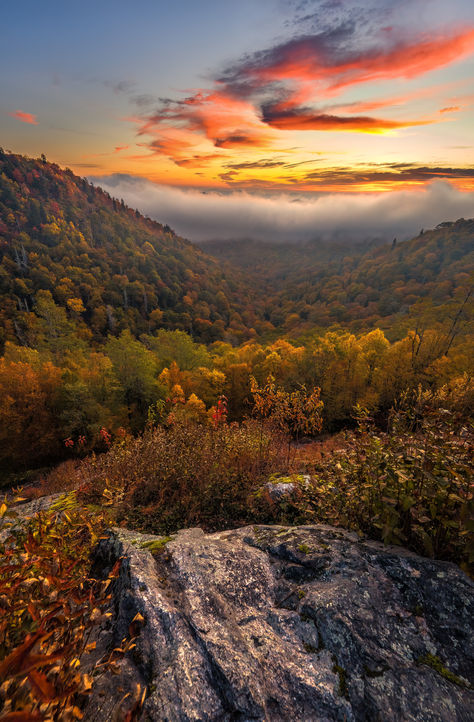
(308,453)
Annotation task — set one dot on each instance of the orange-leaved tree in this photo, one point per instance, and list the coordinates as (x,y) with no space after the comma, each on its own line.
(296,412)
(28,429)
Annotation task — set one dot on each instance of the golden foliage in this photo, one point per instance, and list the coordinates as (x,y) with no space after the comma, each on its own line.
(49,608)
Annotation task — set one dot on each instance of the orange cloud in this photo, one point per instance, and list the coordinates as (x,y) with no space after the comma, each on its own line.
(458,102)
(266,92)
(358,178)
(392,173)
(253,103)
(181,129)
(305,120)
(407,60)
(367,106)
(24,117)
(199,160)
(317,66)
(313,59)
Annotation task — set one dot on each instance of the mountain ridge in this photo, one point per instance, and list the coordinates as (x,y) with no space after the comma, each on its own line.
(110,268)
(62,235)
(359,286)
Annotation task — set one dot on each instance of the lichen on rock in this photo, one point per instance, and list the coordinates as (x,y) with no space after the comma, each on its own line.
(245,625)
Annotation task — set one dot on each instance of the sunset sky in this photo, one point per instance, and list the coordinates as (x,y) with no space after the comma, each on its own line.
(256,97)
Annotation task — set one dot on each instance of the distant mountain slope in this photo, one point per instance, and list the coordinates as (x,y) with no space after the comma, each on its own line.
(320,284)
(386,282)
(273,262)
(110,267)
(71,254)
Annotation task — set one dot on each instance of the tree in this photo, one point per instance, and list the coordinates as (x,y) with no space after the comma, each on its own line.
(135,368)
(298,412)
(29,430)
(178,346)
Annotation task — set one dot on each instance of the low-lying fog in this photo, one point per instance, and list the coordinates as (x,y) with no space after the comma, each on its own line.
(202,216)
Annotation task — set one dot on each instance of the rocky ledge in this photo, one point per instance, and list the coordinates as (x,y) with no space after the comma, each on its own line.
(277,623)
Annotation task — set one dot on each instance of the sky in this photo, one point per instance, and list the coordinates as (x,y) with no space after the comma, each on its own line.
(264,118)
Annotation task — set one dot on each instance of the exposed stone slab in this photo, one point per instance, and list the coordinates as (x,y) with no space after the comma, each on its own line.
(304,623)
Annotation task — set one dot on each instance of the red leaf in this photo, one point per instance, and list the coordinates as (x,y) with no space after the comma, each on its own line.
(33,612)
(116,568)
(35,661)
(15,659)
(40,682)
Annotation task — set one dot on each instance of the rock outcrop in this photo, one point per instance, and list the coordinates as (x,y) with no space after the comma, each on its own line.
(276,623)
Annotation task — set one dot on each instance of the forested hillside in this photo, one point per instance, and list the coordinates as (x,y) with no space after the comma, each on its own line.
(109,321)
(319,284)
(274,262)
(71,253)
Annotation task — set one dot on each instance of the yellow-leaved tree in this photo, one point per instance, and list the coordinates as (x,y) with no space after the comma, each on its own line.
(295,412)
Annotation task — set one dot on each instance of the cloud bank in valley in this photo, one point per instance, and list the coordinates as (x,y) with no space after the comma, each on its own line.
(210,215)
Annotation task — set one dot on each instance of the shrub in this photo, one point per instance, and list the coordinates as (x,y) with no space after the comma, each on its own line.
(296,412)
(189,475)
(63,477)
(411,486)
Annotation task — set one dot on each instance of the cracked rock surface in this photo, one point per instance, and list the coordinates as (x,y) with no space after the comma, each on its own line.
(278,623)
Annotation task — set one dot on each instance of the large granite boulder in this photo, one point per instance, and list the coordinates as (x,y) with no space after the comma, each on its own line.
(277,623)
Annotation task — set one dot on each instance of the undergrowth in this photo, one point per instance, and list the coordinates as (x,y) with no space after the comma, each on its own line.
(189,475)
(411,486)
(50,607)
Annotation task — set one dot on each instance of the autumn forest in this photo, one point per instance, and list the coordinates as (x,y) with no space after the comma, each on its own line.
(108,317)
(237,361)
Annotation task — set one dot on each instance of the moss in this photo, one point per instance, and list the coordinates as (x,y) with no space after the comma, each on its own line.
(301,593)
(304,548)
(264,536)
(342,674)
(430,660)
(292,479)
(156,546)
(94,508)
